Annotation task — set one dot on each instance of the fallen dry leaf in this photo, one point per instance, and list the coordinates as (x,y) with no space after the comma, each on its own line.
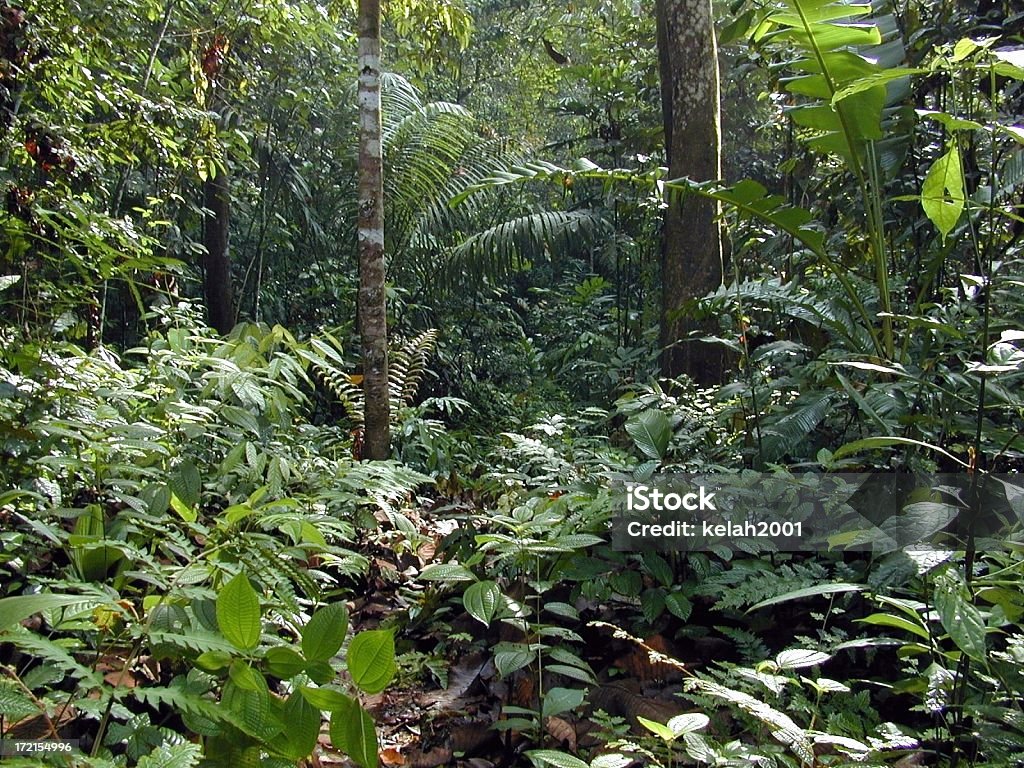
(562,731)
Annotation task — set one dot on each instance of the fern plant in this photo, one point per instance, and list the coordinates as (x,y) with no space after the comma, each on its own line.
(407,367)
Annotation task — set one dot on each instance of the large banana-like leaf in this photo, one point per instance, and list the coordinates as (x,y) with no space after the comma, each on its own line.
(832,37)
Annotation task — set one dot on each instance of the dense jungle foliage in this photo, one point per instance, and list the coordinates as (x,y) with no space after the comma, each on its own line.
(197,568)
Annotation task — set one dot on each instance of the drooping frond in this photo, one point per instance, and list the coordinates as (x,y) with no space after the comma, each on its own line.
(797,302)
(499,250)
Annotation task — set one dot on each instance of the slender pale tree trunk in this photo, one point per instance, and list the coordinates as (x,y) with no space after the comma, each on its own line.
(691,264)
(372,304)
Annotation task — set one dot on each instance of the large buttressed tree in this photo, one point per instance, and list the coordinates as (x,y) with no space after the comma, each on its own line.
(691,263)
(372,304)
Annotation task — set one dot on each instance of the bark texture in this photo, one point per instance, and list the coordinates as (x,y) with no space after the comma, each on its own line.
(691,259)
(217,261)
(372,297)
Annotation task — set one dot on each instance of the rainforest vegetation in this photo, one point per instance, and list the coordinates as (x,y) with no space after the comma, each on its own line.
(331,334)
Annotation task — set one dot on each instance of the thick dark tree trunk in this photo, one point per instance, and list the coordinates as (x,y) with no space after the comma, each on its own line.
(217,262)
(372,305)
(691,263)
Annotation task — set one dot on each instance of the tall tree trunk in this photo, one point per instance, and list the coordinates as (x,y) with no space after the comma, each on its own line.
(372,303)
(217,262)
(691,258)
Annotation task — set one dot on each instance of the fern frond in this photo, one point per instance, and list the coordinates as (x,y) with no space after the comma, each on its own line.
(197,641)
(503,248)
(172,756)
(183,701)
(782,727)
(47,650)
(408,365)
(406,369)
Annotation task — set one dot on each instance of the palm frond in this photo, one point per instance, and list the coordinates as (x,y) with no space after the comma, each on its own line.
(499,250)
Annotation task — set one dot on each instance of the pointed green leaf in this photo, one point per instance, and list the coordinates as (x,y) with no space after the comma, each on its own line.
(185,483)
(651,432)
(799,658)
(559,700)
(302,722)
(481,601)
(942,193)
(447,572)
(353,733)
(323,635)
(688,723)
(371,660)
(541,757)
(284,662)
(238,613)
(508,661)
(815,591)
(960,618)
(658,729)
(326,699)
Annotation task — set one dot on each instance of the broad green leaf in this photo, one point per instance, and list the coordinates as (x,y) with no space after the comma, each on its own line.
(961,619)
(917,522)
(284,662)
(562,609)
(559,700)
(874,79)
(657,566)
(482,600)
(799,658)
(250,708)
(327,699)
(185,483)
(820,590)
(245,677)
(576,673)
(652,604)
(651,432)
(942,193)
(323,635)
(447,572)
(507,662)
(371,660)
(238,613)
(302,726)
(688,723)
(610,760)
(678,605)
(658,729)
(542,757)
(320,672)
(352,732)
